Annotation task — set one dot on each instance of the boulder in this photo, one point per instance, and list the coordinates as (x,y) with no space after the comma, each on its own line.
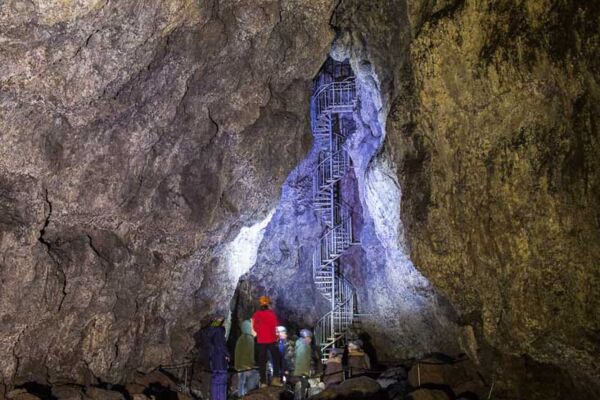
(385,382)
(269,393)
(139,396)
(68,393)
(357,388)
(13,393)
(26,396)
(397,390)
(397,373)
(96,393)
(428,394)
(156,378)
(461,376)
(426,371)
(134,388)
(21,394)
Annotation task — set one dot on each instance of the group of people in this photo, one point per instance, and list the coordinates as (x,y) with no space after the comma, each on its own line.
(294,362)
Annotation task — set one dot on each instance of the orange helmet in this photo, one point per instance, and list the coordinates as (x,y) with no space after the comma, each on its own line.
(264,300)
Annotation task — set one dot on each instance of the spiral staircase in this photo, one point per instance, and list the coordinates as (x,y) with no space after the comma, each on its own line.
(334,97)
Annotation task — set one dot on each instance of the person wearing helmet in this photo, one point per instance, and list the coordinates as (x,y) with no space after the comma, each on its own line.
(307,363)
(244,359)
(264,323)
(334,371)
(358,360)
(218,357)
(286,351)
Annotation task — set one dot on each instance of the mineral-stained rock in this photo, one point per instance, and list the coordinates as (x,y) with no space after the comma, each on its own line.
(493,130)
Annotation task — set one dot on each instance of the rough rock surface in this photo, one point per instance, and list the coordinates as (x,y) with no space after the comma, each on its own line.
(138,137)
(496,144)
(491,118)
(135,139)
(355,388)
(428,394)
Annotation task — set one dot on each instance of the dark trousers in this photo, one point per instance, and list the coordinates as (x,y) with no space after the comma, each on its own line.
(263,348)
(218,385)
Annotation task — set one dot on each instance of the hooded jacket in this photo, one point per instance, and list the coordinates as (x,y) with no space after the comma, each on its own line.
(306,358)
(217,348)
(244,348)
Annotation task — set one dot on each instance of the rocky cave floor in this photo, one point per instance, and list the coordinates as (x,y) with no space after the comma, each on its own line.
(435,377)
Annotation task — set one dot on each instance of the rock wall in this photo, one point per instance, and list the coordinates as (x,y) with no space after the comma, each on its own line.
(496,146)
(136,138)
(491,120)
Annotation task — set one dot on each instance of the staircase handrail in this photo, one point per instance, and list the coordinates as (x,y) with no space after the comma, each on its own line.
(345,85)
(345,82)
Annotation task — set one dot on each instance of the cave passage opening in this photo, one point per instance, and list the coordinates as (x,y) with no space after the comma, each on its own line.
(332,254)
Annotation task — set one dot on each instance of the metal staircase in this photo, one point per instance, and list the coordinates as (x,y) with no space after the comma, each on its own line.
(334,98)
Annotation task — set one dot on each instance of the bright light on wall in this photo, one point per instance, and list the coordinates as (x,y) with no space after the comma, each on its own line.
(242,251)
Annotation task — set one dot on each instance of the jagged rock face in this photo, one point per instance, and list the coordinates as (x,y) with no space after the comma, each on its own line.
(497,149)
(491,116)
(136,138)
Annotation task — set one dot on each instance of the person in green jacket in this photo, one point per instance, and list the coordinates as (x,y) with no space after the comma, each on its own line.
(307,363)
(244,356)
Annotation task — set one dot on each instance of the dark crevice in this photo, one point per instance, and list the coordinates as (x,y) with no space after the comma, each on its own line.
(95,250)
(37,389)
(114,387)
(41,238)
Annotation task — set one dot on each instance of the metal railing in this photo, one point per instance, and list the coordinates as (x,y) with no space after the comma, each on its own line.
(336,97)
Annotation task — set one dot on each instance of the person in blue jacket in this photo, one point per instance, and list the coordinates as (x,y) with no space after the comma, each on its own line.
(219,359)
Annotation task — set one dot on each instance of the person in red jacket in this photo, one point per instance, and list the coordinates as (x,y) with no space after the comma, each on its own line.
(264,323)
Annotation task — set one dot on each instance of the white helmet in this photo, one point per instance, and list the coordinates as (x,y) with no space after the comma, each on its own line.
(305,333)
(280,329)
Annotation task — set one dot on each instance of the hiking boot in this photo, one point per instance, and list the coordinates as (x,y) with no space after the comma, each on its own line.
(276,382)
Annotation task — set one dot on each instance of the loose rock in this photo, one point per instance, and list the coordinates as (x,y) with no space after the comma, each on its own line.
(68,393)
(357,388)
(427,394)
(102,394)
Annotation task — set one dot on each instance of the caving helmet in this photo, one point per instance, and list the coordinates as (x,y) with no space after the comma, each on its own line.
(264,300)
(306,333)
(281,329)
